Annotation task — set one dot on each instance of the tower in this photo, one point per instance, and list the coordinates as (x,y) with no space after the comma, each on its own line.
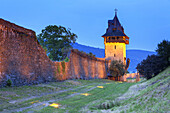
(115,40)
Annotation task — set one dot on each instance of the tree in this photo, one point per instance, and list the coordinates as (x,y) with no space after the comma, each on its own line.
(117,68)
(151,66)
(57,40)
(154,64)
(163,50)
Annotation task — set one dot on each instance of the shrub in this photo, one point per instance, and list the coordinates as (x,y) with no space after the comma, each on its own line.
(91,54)
(9,83)
(108,105)
(117,68)
(66,59)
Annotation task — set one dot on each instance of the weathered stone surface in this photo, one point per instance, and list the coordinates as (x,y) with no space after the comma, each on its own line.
(24,62)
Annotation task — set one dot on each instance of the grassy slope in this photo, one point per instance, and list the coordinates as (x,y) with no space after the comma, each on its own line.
(150,96)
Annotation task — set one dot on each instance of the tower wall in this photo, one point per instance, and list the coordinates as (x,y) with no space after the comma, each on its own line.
(115,51)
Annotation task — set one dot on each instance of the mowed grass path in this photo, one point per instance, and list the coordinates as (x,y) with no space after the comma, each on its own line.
(67,94)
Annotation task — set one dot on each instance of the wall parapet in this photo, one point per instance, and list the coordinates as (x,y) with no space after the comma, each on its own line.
(16,28)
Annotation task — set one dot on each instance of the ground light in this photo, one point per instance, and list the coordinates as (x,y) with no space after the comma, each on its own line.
(100,86)
(85,94)
(34,102)
(55,105)
(107,83)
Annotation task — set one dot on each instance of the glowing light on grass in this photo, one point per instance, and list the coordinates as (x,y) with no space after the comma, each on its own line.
(100,86)
(85,94)
(120,82)
(34,102)
(107,83)
(55,105)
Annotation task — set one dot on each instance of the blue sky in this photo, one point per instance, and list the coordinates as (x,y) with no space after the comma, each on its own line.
(146,22)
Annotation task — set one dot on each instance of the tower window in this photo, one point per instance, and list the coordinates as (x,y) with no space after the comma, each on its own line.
(113,38)
(115,47)
(117,38)
(114,55)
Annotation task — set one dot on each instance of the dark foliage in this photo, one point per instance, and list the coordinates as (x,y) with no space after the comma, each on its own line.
(163,50)
(154,64)
(117,68)
(151,66)
(57,41)
(9,83)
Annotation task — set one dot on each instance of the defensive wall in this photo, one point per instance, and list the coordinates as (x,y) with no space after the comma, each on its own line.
(24,62)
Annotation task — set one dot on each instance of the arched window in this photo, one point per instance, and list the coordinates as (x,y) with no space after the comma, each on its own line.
(117,38)
(115,47)
(114,55)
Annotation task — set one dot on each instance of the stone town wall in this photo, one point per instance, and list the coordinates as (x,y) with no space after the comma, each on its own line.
(24,61)
(81,66)
(85,67)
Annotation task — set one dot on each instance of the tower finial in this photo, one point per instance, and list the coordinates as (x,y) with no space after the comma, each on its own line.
(116,11)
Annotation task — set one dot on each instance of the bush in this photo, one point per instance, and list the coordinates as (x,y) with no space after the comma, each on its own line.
(117,68)
(66,59)
(9,83)
(108,105)
(91,54)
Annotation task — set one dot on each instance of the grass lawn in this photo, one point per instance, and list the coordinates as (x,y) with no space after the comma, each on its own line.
(70,96)
(82,96)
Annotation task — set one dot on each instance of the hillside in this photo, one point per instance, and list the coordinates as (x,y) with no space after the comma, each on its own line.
(151,96)
(136,56)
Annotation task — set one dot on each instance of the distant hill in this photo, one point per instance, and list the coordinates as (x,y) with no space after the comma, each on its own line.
(135,56)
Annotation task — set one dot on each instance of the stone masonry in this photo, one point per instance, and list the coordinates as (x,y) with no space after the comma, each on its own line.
(24,61)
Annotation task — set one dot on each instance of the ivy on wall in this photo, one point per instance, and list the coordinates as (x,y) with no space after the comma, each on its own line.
(58,68)
(63,66)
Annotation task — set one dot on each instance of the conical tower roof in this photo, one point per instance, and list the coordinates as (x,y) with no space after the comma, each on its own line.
(114,27)
(116,20)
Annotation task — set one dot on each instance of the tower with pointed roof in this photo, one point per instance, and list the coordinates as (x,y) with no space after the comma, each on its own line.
(115,40)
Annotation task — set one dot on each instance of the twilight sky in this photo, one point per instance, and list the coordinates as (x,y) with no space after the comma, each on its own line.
(146,22)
